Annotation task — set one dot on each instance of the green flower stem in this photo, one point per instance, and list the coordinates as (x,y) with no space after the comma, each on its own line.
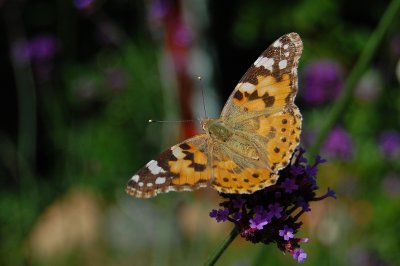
(358,70)
(218,252)
(26,99)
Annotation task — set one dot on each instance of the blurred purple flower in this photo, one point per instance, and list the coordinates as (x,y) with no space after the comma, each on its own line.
(183,35)
(323,81)
(83,4)
(43,47)
(158,9)
(40,51)
(389,144)
(338,144)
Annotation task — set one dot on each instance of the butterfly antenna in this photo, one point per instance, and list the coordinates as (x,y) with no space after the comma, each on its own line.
(184,121)
(202,94)
(169,121)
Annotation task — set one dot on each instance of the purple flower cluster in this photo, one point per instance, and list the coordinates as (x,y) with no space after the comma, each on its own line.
(271,215)
(323,81)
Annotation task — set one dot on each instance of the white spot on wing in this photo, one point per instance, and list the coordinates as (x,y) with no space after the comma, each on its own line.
(135,178)
(177,152)
(160,180)
(285,46)
(154,168)
(246,87)
(151,162)
(266,62)
(258,60)
(140,184)
(287,54)
(277,43)
(149,184)
(282,64)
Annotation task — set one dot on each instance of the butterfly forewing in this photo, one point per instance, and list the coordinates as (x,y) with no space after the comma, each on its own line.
(183,167)
(262,107)
(270,84)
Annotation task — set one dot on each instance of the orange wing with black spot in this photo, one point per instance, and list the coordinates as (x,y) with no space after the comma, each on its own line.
(183,167)
(270,84)
(231,176)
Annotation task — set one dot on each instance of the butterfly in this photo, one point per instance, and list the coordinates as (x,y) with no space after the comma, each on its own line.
(243,150)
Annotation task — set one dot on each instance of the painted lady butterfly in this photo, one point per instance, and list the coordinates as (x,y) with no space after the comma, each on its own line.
(243,150)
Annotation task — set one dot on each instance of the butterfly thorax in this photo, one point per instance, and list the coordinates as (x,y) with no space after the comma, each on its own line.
(231,142)
(216,129)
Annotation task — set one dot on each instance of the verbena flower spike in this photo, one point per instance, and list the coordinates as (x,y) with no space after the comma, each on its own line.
(272,214)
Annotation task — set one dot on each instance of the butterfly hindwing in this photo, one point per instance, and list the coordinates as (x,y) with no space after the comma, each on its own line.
(234,173)
(183,167)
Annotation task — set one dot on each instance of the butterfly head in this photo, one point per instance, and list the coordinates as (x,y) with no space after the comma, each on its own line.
(216,129)
(205,123)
